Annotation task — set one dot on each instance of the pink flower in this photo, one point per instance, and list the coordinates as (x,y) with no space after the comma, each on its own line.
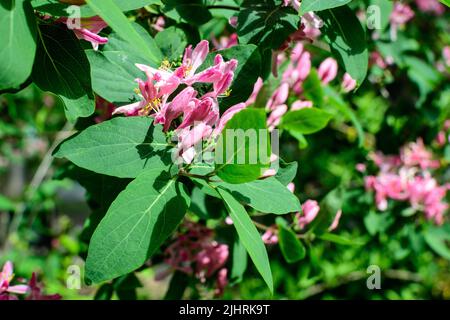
(299,104)
(291,187)
(225,41)
(36,291)
(310,209)
(278,97)
(256,88)
(328,70)
(227,115)
(159,24)
(221,282)
(446,55)
(312,24)
(270,236)
(335,222)
(294,3)
(432,6)
(275,116)
(401,13)
(189,138)
(348,83)
(233,21)
(377,59)
(415,154)
(6,277)
(88,29)
(182,103)
(299,68)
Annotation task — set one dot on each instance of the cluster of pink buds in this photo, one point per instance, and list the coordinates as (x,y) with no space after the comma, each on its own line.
(195,252)
(292,79)
(310,210)
(200,115)
(407,177)
(432,6)
(30,291)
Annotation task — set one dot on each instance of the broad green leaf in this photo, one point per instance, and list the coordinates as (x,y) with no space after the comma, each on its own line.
(267,196)
(347,39)
(340,239)
(318,5)
(305,121)
(379,9)
(291,247)
(177,286)
(135,226)
(243,150)
(245,75)
(198,203)
(286,172)
(114,17)
(193,12)
(18,39)
(56,8)
(446,2)
(113,70)
(313,88)
(438,238)
(121,147)
(238,262)
(266,23)
(61,67)
(6,204)
(378,222)
(250,237)
(171,41)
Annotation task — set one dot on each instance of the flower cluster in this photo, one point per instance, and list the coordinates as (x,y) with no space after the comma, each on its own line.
(31,291)
(195,252)
(297,70)
(407,177)
(162,99)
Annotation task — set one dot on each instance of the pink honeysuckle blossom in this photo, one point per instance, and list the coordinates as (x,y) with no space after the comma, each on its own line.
(336,220)
(407,177)
(432,6)
(225,42)
(188,138)
(233,21)
(348,83)
(328,70)
(88,29)
(400,15)
(205,110)
(312,24)
(195,252)
(278,97)
(299,104)
(275,116)
(226,116)
(159,24)
(310,209)
(6,276)
(256,89)
(299,68)
(182,103)
(270,236)
(294,3)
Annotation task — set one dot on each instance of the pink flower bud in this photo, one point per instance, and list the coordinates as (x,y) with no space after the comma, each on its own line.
(328,70)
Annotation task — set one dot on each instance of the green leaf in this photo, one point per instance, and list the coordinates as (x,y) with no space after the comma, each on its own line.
(172,41)
(250,237)
(446,2)
(385,9)
(113,69)
(56,8)
(291,247)
(18,39)
(245,75)
(243,150)
(286,172)
(266,23)
(318,5)
(347,39)
(61,67)
(267,196)
(340,239)
(305,121)
(114,17)
(313,88)
(136,224)
(121,147)
(438,238)
(193,12)
(177,286)
(238,262)
(6,204)
(334,102)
